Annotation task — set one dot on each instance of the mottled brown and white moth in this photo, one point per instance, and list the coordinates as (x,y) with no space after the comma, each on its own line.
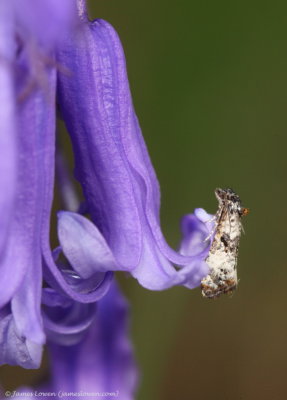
(223,253)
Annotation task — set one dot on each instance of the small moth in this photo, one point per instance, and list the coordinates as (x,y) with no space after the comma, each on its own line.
(223,253)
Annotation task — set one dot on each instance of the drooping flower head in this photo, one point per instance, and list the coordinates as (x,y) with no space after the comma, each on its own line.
(76,67)
(113,166)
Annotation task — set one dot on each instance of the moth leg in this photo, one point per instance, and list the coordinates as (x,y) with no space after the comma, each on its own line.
(211,233)
(211,219)
(214,218)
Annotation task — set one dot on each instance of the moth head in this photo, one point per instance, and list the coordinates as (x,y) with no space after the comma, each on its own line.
(220,194)
(227,195)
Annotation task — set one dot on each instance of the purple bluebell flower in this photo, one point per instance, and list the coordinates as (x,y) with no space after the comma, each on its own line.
(50,57)
(113,166)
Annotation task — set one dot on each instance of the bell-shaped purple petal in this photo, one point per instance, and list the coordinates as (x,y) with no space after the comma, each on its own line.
(112,162)
(27,133)
(7,124)
(87,251)
(103,362)
(21,264)
(36,122)
(103,172)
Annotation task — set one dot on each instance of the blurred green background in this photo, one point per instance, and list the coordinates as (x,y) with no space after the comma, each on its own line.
(209,83)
